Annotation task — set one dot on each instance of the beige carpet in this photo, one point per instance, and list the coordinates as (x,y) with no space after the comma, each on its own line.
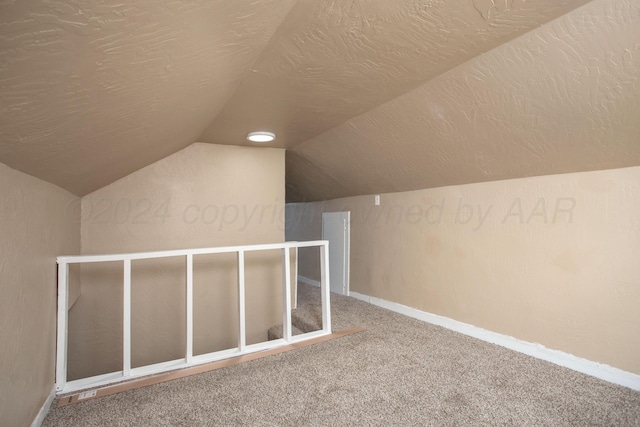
(399,371)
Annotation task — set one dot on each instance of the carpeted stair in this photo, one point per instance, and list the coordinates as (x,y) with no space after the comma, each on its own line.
(306,318)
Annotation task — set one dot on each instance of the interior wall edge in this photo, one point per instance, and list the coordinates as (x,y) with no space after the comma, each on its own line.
(44,410)
(599,370)
(506,256)
(37,225)
(202,196)
(308,281)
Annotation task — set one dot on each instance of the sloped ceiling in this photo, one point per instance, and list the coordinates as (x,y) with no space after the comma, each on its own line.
(368,96)
(91,91)
(562,98)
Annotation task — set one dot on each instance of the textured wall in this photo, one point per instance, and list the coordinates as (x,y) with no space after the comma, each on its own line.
(551,259)
(202,196)
(35,226)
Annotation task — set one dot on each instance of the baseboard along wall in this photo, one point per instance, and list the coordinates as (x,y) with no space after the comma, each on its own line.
(595,369)
(585,366)
(44,409)
(308,281)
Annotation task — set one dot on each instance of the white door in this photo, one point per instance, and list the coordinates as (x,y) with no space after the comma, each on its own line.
(335,229)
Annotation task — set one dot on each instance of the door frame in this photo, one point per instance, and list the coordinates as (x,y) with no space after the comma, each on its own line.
(346,229)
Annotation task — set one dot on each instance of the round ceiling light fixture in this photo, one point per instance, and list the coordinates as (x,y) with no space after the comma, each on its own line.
(261,136)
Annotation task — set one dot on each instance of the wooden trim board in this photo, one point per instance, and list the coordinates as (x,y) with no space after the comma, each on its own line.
(187,372)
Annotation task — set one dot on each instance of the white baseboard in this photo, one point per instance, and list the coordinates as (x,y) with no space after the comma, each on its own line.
(595,369)
(308,281)
(44,410)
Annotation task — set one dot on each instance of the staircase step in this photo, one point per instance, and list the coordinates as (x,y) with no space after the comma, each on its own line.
(303,319)
(275,332)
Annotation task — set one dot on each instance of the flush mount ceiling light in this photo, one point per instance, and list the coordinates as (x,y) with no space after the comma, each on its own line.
(261,136)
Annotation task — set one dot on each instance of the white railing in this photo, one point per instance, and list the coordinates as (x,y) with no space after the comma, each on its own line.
(127,372)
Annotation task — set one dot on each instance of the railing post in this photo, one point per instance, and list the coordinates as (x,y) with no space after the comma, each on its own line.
(286,273)
(189,310)
(126,321)
(62,385)
(325,287)
(295,279)
(242,333)
(63,313)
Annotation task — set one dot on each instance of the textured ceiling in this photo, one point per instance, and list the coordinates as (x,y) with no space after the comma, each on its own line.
(368,96)
(562,98)
(91,91)
(334,59)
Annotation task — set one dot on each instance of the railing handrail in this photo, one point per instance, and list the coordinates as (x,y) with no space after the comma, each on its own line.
(62,385)
(73,259)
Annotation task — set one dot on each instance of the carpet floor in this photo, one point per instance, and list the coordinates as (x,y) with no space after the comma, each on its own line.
(399,371)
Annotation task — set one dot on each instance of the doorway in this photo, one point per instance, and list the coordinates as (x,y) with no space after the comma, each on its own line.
(336,228)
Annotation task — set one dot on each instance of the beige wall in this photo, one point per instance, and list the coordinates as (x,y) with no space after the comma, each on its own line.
(203,196)
(551,259)
(36,226)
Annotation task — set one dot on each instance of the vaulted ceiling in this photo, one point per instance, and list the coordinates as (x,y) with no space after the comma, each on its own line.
(367,96)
